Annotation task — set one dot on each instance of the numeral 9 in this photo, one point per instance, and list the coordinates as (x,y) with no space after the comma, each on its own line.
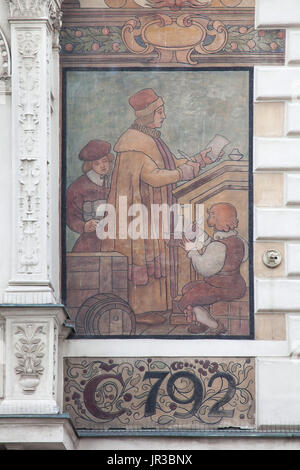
(197,396)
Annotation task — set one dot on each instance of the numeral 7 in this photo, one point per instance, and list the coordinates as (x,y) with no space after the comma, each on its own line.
(150,407)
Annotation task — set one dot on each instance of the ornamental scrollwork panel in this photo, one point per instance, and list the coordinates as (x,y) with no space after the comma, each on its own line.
(159,393)
(175,39)
(165,4)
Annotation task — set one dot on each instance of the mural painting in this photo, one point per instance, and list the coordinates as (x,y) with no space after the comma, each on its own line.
(145,149)
(159,394)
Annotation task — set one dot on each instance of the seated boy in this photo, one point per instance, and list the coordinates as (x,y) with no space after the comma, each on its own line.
(219,263)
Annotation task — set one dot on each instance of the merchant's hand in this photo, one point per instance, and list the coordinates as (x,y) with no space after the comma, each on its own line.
(202,158)
(91,225)
(189,170)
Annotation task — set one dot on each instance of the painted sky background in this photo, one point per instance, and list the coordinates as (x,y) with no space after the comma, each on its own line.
(198,105)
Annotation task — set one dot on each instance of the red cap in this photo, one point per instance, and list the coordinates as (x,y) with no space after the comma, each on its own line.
(145,102)
(94,150)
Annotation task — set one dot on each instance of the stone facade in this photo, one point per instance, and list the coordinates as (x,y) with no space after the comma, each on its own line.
(33,323)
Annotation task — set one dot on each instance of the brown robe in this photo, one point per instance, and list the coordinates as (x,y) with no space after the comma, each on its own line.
(142,174)
(81,191)
(226,285)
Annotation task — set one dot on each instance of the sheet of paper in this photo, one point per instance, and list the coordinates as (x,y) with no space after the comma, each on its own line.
(217,144)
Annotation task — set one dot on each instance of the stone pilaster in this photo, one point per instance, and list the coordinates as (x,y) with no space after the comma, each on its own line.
(34,31)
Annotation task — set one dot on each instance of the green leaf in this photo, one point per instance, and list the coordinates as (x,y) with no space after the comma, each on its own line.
(264,46)
(139,363)
(142,395)
(158,365)
(165,419)
(134,381)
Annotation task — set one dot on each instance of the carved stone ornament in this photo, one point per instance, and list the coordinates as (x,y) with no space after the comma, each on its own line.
(29,351)
(34,8)
(50,9)
(5,71)
(29,170)
(175,38)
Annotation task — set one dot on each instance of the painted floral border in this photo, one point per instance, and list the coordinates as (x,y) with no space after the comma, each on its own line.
(159,393)
(108,40)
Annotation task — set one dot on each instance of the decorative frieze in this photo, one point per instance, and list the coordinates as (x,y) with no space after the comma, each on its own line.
(192,32)
(160,394)
(170,4)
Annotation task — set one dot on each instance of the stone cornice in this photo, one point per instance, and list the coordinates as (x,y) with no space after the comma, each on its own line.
(36,9)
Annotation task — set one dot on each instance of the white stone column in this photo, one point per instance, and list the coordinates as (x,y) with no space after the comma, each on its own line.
(278,379)
(31,321)
(33,26)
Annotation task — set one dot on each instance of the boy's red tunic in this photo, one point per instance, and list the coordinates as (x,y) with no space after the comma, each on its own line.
(81,191)
(226,285)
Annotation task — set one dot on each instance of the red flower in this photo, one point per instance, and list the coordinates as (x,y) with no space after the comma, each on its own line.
(127,397)
(251,44)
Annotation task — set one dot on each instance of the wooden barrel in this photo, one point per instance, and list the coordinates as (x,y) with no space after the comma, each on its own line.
(105,315)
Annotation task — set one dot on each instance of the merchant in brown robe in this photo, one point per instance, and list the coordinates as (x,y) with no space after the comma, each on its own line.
(219,262)
(146,173)
(87,193)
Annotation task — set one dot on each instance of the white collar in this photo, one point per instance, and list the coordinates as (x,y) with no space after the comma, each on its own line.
(95,177)
(220,235)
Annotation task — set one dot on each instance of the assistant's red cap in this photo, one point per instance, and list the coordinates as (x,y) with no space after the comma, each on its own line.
(94,150)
